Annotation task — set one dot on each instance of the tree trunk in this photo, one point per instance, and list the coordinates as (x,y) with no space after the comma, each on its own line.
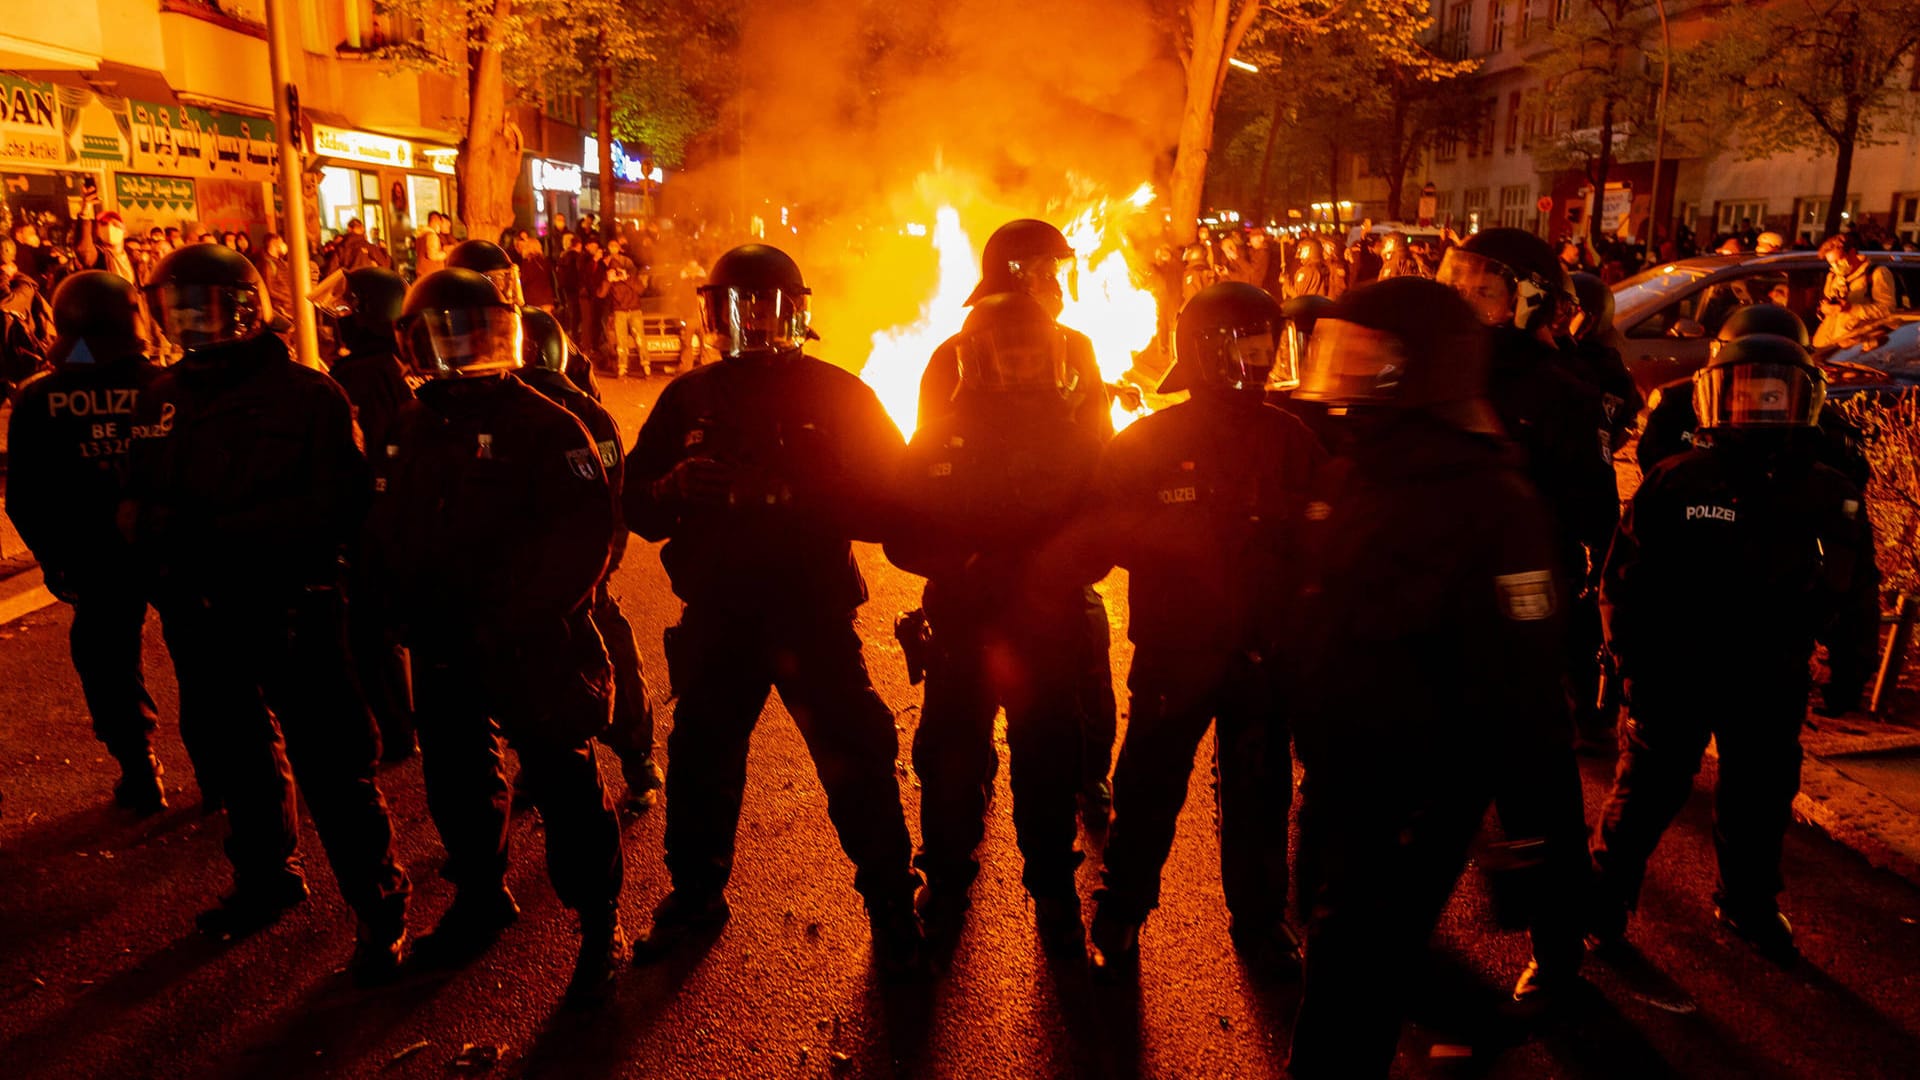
(1333,183)
(490,149)
(603,133)
(1266,162)
(1602,168)
(1402,159)
(1189,178)
(1842,169)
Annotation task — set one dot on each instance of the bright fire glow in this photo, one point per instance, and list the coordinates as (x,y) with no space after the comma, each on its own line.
(1103,302)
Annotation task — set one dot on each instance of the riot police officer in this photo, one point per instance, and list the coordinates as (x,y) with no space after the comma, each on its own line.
(983,488)
(1202,504)
(1430,596)
(758,472)
(1028,257)
(1672,422)
(631,737)
(362,306)
(490,529)
(1590,350)
(1733,560)
(68,437)
(247,489)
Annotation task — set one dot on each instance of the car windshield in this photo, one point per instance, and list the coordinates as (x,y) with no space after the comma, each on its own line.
(1649,289)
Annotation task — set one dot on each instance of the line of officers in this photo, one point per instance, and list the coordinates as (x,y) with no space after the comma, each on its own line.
(1399,575)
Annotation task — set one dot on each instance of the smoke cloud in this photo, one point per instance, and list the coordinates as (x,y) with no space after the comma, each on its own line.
(861,118)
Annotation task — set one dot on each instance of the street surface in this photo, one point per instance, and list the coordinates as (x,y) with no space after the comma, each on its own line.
(102,974)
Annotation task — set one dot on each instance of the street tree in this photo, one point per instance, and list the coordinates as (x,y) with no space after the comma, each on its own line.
(1816,76)
(1600,96)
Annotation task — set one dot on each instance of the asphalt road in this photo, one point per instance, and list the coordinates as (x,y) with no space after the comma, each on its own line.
(102,975)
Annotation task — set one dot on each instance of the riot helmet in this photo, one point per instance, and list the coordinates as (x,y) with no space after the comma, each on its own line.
(1508,276)
(1229,338)
(96,317)
(1407,344)
(1026,255)
(456,325)
(1760,319)
(363,305)
(1010,343)
(754,304)
(543,344)
(1593,314)
(491,261)
(205,296)
(1759,381)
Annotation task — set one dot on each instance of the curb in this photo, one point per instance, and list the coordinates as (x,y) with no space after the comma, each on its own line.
(22,591)
(1858,817)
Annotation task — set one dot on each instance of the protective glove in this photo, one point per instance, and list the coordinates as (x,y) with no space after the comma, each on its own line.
(695,481)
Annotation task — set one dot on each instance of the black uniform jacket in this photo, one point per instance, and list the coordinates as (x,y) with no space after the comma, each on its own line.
(247,475)
(1560,426)
(606,440)
(492,516)
(812,457)
(1087,398)
(377,386)
(1732,560)
(1427,649)
(983,491)
(1203,503)
(67,445)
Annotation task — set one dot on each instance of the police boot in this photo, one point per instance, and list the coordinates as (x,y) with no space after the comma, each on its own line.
(1096,805)
(603,953)
(474,921)
(1116,944)
(941,902)
(1763,927)
(140,789)
(379,953)
(1057,918)
(898,938)
(644,782)
(678,921)
(1270,951)
(253,906)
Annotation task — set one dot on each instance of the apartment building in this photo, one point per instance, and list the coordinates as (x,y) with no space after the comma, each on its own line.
(1496,169)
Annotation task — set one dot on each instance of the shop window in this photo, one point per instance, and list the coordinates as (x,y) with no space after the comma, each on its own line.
(1810,217)
(1728,216)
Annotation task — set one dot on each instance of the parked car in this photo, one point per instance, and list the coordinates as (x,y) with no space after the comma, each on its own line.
(1880,358)
(1668,314)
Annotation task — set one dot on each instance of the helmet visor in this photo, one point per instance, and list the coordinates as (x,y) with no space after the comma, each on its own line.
(200,316)
(1758,395)
(1287,360)
(1491,288)
(1013,358)
(469,341)
(1348,364)
(507,280)
(1044,276)
(331,296)
(742,322)
(1234,357)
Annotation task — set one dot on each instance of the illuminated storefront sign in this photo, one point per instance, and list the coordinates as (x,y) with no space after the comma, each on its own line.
(624,167)
(555,176)
(186,139)
(362,146)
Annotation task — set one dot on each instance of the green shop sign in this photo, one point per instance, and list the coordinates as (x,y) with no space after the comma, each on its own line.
(154,194)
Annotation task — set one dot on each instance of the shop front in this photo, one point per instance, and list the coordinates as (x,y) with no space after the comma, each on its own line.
(57,144)
(389,184)
(556,190)
(200,169)
(633,185)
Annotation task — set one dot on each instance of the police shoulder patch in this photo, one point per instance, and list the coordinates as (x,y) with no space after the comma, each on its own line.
(609,452)
(1526,597)
(585,463)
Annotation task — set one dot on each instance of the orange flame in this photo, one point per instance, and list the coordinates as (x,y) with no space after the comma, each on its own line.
(1103,302)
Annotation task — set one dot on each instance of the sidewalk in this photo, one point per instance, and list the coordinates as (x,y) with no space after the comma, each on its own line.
(1861,785)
